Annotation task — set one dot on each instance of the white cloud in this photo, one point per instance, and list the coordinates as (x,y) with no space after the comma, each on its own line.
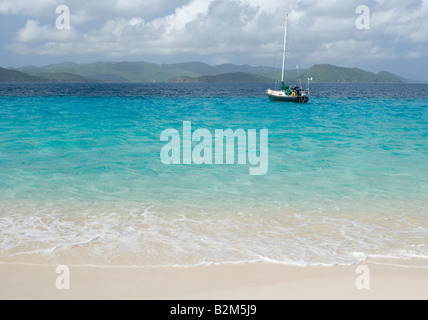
(27,7)
(33,32)
(402,21)
(320,30)
(349,50)
(93,9)
(415,54)
(201,26)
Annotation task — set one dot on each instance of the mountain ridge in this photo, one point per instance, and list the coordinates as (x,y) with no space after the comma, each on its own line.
(8,75)
(143,72)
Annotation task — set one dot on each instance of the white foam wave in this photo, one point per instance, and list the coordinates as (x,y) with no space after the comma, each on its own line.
(146,236)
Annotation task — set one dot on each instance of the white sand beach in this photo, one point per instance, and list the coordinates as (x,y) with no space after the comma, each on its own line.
(258,281)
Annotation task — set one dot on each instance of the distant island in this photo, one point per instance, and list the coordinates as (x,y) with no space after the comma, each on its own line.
(142,72)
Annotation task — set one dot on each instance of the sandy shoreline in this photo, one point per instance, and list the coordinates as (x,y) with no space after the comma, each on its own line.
(258,281)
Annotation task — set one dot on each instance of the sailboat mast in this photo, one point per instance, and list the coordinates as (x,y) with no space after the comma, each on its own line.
(285,44)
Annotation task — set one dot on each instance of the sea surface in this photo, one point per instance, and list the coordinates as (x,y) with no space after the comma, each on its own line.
(82,181)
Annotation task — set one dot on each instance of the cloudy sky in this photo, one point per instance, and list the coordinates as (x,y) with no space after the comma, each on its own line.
(219,31)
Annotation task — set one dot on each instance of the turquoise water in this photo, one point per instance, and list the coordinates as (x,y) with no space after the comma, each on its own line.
(81,180)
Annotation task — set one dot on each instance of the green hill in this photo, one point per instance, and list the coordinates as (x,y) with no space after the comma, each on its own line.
(61,77)
(136,72)
(7,75)
(387,77)
(140,72)
(235,77)
(123,72)
(332,74)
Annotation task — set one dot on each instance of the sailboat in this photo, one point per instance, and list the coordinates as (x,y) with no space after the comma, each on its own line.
(288,93)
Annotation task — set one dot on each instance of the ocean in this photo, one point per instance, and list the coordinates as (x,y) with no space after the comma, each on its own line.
(82,181)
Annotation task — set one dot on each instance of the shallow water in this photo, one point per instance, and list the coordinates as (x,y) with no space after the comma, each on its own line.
(81,179)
